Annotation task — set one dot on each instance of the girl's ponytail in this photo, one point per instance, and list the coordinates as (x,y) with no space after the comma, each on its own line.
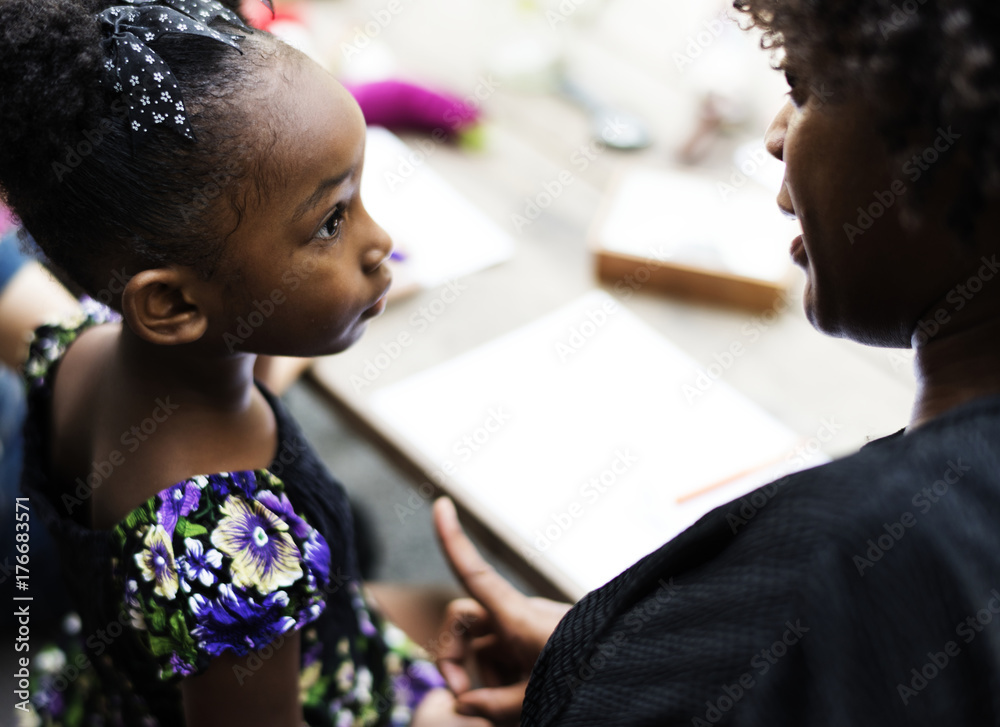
(50,91)
(70,168)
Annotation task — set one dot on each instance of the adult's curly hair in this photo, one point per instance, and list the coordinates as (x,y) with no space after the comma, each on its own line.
(68,169)
(920,65)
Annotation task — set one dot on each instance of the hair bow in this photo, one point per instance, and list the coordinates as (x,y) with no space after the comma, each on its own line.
(139,74)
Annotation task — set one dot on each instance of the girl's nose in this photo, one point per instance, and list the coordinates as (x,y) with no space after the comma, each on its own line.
(774,138)
(378,250)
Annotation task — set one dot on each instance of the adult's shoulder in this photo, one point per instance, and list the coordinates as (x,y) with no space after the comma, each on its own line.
(943,473)
(833,581)
(899,590)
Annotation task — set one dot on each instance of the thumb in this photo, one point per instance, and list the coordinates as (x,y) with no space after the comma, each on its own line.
(500,705)
(479,578)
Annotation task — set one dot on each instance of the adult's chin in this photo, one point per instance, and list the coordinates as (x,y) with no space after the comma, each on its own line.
(822,312)
(860,324)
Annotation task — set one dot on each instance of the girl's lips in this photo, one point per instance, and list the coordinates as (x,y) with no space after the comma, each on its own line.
(798,252)
(378,308)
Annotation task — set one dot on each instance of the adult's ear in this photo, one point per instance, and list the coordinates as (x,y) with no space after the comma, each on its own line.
(160,306)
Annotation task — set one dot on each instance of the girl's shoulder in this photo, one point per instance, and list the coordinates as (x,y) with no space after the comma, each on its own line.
(210,551)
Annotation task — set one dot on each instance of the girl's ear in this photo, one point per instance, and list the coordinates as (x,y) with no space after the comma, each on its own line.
(160,307)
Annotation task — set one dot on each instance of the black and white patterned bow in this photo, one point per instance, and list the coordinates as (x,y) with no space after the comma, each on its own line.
(139,74)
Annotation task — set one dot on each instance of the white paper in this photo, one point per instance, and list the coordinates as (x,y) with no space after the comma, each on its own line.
(526,422)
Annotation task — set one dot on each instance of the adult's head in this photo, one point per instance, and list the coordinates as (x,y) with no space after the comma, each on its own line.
(891,139)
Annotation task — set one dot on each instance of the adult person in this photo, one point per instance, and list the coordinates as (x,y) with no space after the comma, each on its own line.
(866,591)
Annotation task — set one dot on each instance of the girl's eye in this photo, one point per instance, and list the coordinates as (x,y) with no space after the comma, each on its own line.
(332,227)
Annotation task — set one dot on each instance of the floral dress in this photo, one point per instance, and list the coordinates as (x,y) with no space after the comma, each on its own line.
(226,562)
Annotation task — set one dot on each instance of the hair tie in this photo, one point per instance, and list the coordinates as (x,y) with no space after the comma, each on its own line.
(139,74)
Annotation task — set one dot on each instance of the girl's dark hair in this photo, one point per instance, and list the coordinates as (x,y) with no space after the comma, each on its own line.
(68,169)
(922,66)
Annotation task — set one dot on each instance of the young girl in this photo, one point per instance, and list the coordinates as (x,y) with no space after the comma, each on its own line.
(203,178)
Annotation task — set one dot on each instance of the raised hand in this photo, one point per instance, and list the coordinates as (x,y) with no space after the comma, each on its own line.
(499,628)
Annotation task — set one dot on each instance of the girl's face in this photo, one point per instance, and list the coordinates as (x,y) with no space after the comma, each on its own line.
(869,278)
(305,264)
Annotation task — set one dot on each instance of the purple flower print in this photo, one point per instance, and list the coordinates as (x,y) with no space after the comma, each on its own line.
(177,502)
(197,564)
(236,621)
(156,562)
(264,555)
(280,506)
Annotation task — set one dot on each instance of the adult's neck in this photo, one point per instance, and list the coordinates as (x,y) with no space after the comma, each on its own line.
(212,381)
(961,363)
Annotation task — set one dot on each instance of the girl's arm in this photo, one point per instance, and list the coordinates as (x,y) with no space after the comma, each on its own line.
(29,299)
(230,691)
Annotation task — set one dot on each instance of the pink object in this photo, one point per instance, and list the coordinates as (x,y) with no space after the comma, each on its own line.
(262,14)
(394,104)
(5,220)
(407,106)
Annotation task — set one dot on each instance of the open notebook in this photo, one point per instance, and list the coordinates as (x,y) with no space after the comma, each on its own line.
(578,440)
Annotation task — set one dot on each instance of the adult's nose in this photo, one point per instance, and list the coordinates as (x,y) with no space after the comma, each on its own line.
(774,138)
